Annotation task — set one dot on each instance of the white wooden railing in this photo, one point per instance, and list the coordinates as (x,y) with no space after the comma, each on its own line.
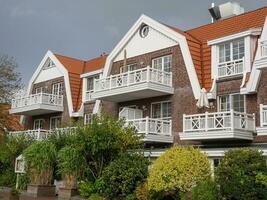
(41,134)
(135,77)
(41,98)
(88,95)
(230,120)
(263,47)
(263,115)
(230,68)
(151,126)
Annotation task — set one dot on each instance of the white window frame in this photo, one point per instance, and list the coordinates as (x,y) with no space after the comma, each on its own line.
(231,101)
(49,64)
(162,62)
(53,118)
(128,68)
(39,92)
(88,118)
(161,109)
(40,122)
(56,88)
(97,76)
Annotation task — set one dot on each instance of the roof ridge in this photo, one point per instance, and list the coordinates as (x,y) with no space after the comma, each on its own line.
(69,57)
(101,56)
(226,19)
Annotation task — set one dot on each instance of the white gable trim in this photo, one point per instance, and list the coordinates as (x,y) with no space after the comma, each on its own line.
(173,35)
(62,69)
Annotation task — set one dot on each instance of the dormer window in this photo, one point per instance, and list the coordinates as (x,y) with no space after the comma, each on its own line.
(49,64)
(231,58)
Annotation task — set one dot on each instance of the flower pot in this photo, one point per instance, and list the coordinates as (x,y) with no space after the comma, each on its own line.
(41,190)
(66,193)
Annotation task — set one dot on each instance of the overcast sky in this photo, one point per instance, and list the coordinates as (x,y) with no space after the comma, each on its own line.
(86,28)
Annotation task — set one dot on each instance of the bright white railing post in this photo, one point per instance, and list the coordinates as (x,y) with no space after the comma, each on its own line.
(184,128)
(206,121)
(261,115)
(148,74)
(147,125)
(232,119)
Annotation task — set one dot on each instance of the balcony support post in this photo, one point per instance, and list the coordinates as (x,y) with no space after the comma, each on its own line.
(147,125)
(206,121)
(148,74)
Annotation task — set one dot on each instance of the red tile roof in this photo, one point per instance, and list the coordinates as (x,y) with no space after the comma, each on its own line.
(197,39)
(75,68)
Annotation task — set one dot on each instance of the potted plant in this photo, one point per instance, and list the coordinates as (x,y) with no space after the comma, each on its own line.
(71,165)
(40,158)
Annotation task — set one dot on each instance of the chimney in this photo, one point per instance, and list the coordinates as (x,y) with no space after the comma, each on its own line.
(225,10)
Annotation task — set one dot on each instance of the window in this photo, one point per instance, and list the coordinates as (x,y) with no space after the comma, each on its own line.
(39,90)
(55,122)
(48,64)
(38,124)
(231,51)
(57,89)
(128,68)
(90,83)
(161,110)
(233,101)
(88,118)
(163,63)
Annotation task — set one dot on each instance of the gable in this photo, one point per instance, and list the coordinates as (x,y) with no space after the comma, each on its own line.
(138,45)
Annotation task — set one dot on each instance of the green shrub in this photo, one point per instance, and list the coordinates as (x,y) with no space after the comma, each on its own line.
(206,190)
(86,188)
(71,164)
(96,197)
(40,158)
(10,149)
(237,172)
(178,170)
(123,174)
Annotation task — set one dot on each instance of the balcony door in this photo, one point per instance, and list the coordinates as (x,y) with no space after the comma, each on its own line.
(57,88)
(55,122)
(38,124)
(161,110)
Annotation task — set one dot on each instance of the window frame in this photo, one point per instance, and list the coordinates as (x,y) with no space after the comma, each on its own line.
(94,77)
(59,85)
(128,68)
(86,121)
(231,102)
(161,58)
(39,88)
(52,118)
(161,110)
(38,120)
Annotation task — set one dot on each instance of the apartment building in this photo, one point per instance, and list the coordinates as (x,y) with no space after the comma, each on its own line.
(206,86)
(59,92)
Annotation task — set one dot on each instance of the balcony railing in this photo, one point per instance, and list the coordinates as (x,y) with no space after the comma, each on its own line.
(231,68)
(135,77)
(219,121)
(41,98)
(151,126)
(41,134)
(263,47)
(88,95)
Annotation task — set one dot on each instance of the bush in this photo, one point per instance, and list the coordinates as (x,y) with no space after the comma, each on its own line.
(40,158)
(206,190)
(237,172)
(10,149)
(71,164)
(96,197)
(123,175)
(178,170)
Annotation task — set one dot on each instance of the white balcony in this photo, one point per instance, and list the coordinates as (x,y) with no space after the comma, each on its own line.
(88,96)
(220,125)
(37,104)
(138,84)
(261,61)
(154,130)
(231,68)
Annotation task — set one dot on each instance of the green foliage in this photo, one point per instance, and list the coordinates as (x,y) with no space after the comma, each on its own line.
(71,164)
(10,149)
(123,174)
(96,197)
(261,178)
(237,172)
(178,169)
(40,158)
(206,190)
(86,188)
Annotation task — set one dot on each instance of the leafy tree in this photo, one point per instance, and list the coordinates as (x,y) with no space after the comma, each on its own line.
(237,174)
(40,158)
(178,170)
(123,174)
(10,81)
(206,190)
(10,149)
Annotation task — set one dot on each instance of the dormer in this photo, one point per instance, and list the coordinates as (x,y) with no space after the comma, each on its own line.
(232,56)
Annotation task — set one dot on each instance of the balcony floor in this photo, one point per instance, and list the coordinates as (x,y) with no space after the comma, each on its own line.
(261,64)
(37,109)
(133,92)
(217,135)
(152,138)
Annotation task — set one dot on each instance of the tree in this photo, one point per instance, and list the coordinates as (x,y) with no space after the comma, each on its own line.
(237,174)
(122,175)
(10,81)
(206,190)
(178,170)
